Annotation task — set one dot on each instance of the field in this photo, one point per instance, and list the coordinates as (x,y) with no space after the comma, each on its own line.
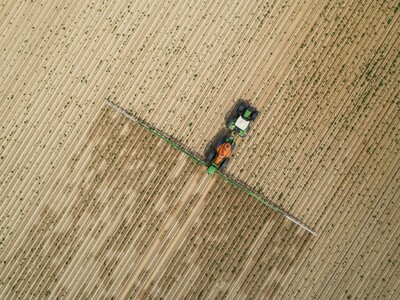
(94,206)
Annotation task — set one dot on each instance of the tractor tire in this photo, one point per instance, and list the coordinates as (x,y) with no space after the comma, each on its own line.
(243,133)
(241,109)
(211,156)
(221,141)
(254,115)
(224,164)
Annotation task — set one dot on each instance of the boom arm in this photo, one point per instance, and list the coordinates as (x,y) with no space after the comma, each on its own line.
(176,144)
(165,137)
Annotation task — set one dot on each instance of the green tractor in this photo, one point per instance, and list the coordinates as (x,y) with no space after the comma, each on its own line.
(241,122)
(219,157)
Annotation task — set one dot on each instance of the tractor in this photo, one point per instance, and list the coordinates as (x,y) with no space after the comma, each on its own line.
(241,122)
(218,158)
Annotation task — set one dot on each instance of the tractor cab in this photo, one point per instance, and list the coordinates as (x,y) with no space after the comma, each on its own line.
(241,122)
(219,157)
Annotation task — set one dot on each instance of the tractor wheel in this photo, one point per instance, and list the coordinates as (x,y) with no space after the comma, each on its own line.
(254,115)
(224,164)
(243,133)
(211,155)
(221,141)
(241,109)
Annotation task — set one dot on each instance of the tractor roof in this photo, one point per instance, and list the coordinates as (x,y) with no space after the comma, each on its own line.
(241,123)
